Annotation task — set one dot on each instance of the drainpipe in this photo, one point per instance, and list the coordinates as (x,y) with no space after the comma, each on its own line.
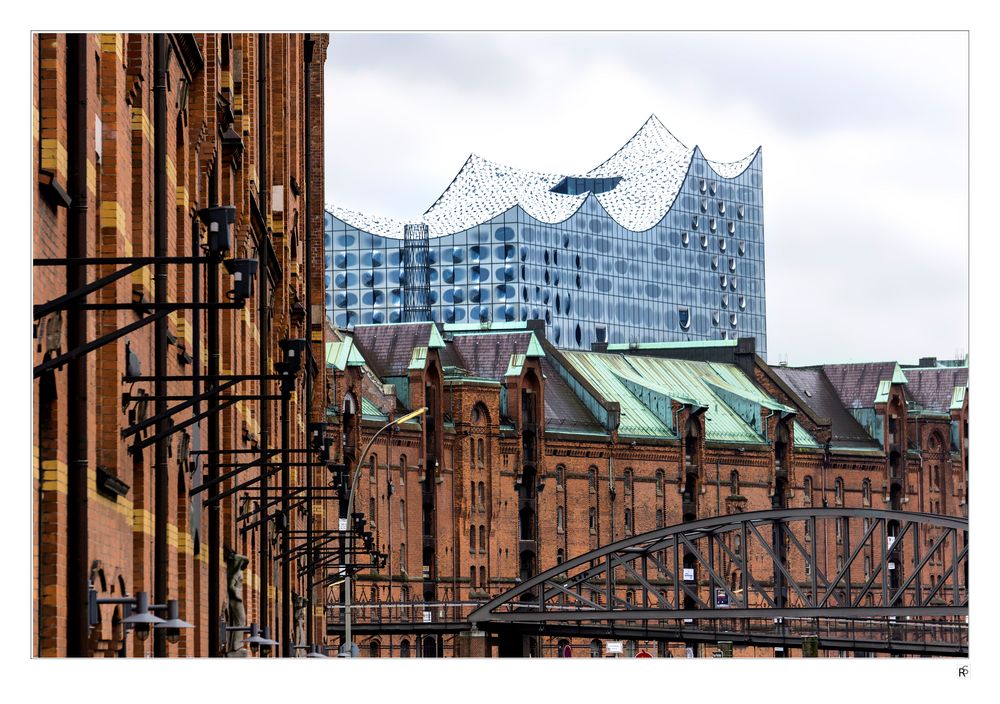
(212,466)
(161,559)
(264,324)
(307,75)
(77,60)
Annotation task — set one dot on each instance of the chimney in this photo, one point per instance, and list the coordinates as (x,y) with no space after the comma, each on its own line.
(601,344)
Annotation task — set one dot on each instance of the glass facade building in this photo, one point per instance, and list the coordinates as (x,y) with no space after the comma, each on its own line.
(656,244)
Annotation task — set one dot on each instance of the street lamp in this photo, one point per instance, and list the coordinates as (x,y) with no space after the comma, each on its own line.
(348,644)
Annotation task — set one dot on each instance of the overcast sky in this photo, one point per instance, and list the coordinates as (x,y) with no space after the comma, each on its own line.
(864,140)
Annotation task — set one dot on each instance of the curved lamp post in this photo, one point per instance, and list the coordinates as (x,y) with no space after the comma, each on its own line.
(348,643)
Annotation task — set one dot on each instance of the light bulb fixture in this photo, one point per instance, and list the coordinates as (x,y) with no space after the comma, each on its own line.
(141,620)
(173,625)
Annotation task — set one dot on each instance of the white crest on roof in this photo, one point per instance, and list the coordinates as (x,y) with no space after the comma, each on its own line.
(652,166)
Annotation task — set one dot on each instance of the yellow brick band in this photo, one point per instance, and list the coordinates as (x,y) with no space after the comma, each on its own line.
(91,177)
(172,535)
(54,157)
(182,197)
(171,172)
(55,476)
(111,44)
(142,522)
(113,216)
(140,123)
(184,542)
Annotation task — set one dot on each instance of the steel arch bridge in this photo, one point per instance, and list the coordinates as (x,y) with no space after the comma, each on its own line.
(868,579)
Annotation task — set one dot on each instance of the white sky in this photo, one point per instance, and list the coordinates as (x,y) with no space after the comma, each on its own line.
(864,138)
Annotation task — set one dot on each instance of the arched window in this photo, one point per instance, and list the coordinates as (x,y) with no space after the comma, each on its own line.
(628,482)
(560,556)
(402,480)
(404,649)
(838,492)
(560,477)
(628,521)
(481,451)
(402,514)
(482,496)
(595,648)
(374,649)
(659,518)
(937,478)
(807,490)
(482,577)
(372,464)
(659,482)
(866,493)
(472,538)
(592,478)
(593,520)
(472,577)
(734,482)
(482,538)
(560,525)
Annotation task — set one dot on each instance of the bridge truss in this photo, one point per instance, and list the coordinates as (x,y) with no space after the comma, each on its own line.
(861,579)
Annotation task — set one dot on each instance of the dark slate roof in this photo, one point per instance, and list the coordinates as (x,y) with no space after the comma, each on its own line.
(857,384)
(932,388)
(487,355)
(388,348)
(563,409)
(815,389)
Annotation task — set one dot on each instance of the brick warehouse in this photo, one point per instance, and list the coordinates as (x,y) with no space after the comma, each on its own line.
(134,134)
(531,455)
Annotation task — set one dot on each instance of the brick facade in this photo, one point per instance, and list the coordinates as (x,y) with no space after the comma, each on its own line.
(212,117)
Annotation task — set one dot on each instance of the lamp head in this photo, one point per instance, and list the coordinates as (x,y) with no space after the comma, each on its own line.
(293,350)
(218,220)
(173,624)
(243,271)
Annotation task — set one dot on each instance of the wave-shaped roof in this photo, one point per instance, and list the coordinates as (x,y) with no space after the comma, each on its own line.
(651,165)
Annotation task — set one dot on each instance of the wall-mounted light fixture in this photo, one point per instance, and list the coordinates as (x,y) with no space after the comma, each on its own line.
(218,220)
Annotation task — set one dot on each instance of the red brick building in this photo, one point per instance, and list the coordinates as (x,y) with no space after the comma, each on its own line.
(528,456)
(134,135)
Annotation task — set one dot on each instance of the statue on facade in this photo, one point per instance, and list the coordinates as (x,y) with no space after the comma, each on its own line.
(299,604)
(236,613)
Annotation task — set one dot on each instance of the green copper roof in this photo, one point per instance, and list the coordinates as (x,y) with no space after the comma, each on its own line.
(418,359)
(534,348)
(644,385)
(516,364)
(370,410)
(435,341)
(342,354)
(802,438)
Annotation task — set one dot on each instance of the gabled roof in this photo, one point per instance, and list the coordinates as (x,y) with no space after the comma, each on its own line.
(816,391)
(857,385)
(388,348)
(488,354)
(641,383)
(651,167)
(933,388)
(564,412)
